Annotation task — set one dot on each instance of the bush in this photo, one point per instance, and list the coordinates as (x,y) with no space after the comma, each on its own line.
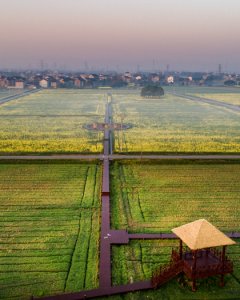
(152,91)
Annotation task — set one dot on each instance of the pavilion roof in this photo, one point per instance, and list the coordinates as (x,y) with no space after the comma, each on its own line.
(202,234)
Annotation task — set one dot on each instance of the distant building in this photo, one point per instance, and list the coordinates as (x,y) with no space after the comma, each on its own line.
(79,82)
(43,83)
(102,77)
(127,77)
(54,84)
(19,84)
(155,78)
(3,83)
(170,79)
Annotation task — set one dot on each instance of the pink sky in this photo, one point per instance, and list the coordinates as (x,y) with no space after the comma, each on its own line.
(187,34)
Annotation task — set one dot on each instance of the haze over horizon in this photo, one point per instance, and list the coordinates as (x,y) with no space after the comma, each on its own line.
(120,34)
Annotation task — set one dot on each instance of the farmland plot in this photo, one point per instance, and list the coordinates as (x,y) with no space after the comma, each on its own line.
(175,125)
(151,197)
(51,121)
(139,259)
(49,228)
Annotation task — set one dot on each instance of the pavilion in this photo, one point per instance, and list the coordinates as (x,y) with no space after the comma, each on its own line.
(200,259)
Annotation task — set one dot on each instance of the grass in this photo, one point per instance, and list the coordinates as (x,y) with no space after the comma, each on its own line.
(139,259)
(52,121)
(49,228)
(156,197)
(174,125)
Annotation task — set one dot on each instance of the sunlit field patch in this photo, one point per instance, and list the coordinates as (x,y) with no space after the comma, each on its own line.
(52,121)
(175,125)
(156,197)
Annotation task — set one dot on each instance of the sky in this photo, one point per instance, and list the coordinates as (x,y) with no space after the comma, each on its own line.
(188,35)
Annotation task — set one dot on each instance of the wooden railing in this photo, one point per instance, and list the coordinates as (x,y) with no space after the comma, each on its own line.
(203,271)
(166,273)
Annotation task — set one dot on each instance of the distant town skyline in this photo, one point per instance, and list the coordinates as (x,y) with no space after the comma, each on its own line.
(120,35)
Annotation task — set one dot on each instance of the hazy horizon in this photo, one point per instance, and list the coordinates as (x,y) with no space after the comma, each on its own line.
(128,34)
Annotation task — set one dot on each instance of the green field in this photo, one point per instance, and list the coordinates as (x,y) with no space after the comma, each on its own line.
(174,125)
(52,121)
(156,197)
(49,228)
(139,259)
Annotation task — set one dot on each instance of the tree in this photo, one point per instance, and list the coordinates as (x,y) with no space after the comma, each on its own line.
(152,91)
(230,82)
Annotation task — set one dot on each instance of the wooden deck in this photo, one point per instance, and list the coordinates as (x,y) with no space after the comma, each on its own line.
(208,263)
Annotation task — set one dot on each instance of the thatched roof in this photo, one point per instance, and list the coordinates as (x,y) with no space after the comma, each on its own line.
(202,234)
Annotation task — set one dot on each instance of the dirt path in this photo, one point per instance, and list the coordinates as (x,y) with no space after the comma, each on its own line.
(173,157)
(118,156)
(14,97)
(209,101)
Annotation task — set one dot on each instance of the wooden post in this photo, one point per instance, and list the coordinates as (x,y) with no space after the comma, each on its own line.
(222,261)
(207,252)
(194,287)
(181,249)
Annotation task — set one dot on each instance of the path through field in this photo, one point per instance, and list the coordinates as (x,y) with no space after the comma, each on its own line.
(17,96)
(209,101)
(118,156)
(110,237)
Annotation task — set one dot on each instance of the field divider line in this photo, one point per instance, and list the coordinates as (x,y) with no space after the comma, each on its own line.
(78,232)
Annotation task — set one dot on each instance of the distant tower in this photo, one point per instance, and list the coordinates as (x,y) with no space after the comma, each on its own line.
(86,67)
(168,68)
(154,65)
(219,69)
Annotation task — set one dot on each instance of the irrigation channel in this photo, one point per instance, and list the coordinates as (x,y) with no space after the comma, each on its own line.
(110,237)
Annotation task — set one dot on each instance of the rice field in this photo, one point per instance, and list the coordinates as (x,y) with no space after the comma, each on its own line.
(156,197)
(52,122)
(49,228)
(174,125)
